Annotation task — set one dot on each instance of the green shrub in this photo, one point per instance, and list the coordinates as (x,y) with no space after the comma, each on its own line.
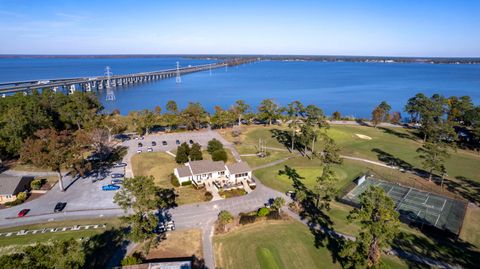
(174,180)
(36,184)
(136,258)
(22,196)
(247,219)
(220,155)
(214,145)
(187,183)
(208,196)
(275,215)
(196,152)
(263,211)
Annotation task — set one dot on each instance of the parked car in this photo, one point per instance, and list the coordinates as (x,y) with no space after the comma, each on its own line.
(177,142)
(190,141)
(110,187)
(23,212)
(149,150)
(154,143)
(139,151)
(140,145)
(116,165)
(142,137)
(117,181)
(117,175)
(164,142)
(59,207)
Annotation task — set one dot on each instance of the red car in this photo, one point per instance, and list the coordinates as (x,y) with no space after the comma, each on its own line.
(23,212)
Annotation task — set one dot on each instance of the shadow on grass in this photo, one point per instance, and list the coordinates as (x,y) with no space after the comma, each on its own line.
(397,134)
(465,187)
(319,223)
(106,249)
(285,138)
(441,246)
(392,160)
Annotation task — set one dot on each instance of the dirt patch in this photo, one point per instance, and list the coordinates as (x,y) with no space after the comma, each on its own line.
(365,137)
(183,243)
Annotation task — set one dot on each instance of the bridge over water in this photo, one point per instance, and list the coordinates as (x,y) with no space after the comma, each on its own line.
(70,85)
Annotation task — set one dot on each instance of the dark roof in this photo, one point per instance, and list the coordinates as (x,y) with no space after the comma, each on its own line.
(237,168)
(11,185)
(184,171)
(206,166)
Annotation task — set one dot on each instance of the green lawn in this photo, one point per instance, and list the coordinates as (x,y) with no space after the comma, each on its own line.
(160,165)
(283,244)
(31,239)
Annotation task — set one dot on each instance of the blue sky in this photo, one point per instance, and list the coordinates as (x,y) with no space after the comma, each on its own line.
(395,28)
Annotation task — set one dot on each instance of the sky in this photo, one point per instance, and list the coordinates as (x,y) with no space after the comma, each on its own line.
(436,28)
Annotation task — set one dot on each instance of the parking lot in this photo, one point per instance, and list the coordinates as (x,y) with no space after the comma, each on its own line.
(172,141)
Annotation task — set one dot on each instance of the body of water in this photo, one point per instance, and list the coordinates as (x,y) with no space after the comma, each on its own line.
(351,88)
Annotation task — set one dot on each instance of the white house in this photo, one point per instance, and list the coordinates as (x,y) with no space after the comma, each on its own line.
(199,171)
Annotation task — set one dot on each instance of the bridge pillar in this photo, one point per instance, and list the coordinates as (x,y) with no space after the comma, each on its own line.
(55,88)
(114,83)
(119,82)
(72,89)
(88,87)
(100,85)
(94,84)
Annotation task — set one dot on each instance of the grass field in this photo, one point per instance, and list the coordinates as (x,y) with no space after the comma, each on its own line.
(31,239)
(160,165)
(276,245)
(179,243)
(389,145)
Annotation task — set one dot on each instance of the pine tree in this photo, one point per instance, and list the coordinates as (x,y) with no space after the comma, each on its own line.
(196,152)
(379,224)
(183,152)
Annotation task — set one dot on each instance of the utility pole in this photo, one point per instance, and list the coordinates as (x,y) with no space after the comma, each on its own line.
(110,94)
(178,79)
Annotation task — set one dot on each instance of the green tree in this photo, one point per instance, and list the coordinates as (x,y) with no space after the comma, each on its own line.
(220,155)
(172,107)
(183,152)
(433,156)
(377,116)
(194,115)
(239,109)
(268,110)
(50,149)
(196,152)
(278,203)
(113,124)
(146,119)
(458,108)
(214,145)
(295,112)
(141,196)
(385,107)
(222,118)
(336,115)
(80,110)
(379,224)
(134,259)
(317,122)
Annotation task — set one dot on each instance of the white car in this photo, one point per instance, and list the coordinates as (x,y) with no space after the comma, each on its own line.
(149,150)
(139,151)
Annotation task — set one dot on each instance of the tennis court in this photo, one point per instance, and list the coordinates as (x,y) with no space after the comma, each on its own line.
(418,206)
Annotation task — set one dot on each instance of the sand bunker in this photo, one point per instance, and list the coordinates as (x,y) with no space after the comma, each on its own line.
(366,137)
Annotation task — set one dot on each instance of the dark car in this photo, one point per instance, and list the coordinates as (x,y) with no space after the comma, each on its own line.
(59,207)
(190,141)
(110,187)
(154,143)
(140,145)
(177,142)
(23,212)
(117,181)
(164,143)
(117,175)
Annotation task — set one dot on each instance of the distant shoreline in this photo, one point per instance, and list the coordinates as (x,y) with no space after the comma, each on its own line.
(318,58)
